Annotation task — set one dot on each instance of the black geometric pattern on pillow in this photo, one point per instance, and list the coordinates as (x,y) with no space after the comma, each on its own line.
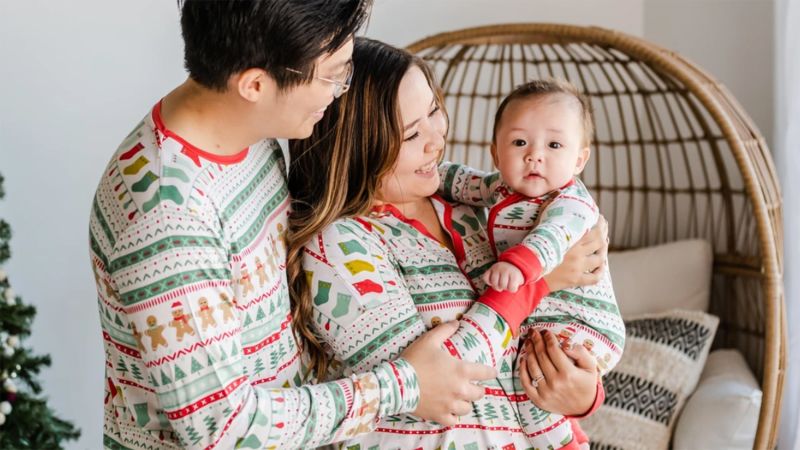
(686,336)
(639,396)
(600,446)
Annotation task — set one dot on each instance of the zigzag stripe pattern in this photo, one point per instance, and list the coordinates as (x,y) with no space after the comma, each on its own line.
(687,336)
(379,341)
(251,187)
(279,198)
(173,282)
(640,396)
(431,270)
(441,296)
(191,349)
(600,446)
(165,245)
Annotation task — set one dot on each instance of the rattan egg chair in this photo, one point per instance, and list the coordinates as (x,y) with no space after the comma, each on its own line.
(674,157)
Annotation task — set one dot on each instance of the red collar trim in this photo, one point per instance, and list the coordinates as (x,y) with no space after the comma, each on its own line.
(416,224)
(364,223)
(455,238)
(192,151)
(513,198)
(569,183)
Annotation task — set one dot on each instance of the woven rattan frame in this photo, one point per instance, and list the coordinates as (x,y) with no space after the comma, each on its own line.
(674,157)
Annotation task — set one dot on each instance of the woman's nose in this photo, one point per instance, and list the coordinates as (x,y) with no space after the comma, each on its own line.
(435,141)
(438,128)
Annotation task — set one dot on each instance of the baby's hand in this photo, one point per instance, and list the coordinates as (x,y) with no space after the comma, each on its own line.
(504,276)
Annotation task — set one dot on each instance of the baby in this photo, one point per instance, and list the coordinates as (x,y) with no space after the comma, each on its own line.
(538,210)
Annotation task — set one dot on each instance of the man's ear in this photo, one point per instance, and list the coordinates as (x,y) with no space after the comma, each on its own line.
(253,84)
(583,158)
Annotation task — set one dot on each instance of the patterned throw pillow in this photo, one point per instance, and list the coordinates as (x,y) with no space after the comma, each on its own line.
(664,356)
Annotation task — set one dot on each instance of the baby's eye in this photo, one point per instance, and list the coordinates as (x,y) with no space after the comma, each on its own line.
(555,145)
(519,143)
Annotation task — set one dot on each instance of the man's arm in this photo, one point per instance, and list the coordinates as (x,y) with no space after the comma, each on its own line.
(197,373)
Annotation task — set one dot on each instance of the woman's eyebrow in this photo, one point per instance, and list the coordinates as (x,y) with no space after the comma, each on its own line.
(411,125)
(407,127)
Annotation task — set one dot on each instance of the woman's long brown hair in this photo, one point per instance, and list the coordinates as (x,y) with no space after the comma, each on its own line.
(336,172)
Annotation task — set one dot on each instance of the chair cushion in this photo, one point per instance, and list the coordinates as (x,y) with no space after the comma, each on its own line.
(657,279)
(723,411)
(664,355)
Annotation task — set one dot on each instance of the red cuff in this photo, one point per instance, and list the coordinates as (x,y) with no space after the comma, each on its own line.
(577,432)
(599,398)
(516,307)
(525,260)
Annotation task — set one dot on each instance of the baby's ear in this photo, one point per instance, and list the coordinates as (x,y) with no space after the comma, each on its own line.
(494,154)
(583,158)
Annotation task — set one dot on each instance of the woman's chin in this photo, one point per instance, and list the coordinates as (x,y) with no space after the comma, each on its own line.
(430,184)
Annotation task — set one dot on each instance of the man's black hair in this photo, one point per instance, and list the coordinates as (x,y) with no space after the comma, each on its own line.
(224,37)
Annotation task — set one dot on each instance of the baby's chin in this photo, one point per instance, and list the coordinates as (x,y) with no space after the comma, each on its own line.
(533,190)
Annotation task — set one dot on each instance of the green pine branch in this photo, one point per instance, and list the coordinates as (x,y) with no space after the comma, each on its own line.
(5,236)
(31,424)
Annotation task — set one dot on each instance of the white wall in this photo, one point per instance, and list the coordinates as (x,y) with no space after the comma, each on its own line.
(74,79)
(731,39)
(787,159)
(401,22)
(76,76)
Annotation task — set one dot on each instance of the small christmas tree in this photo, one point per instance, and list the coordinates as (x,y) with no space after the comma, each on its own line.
(26,422)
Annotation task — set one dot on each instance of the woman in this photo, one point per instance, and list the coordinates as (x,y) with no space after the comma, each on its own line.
(385,258)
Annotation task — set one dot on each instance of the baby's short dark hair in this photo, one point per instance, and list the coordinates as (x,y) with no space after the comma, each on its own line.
(549,86)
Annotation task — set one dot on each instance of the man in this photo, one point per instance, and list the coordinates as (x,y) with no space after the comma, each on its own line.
(188,249)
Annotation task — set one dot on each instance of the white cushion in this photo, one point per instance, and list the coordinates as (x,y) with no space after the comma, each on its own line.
(723,411)
(657,279)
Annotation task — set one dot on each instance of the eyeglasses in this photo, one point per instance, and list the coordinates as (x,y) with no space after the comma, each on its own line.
(339,86)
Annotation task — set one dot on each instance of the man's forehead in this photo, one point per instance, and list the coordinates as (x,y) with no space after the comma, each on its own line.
(339,57)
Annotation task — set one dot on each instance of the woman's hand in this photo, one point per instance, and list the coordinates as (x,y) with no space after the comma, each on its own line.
(584,263)
(556,379)
(442,398)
